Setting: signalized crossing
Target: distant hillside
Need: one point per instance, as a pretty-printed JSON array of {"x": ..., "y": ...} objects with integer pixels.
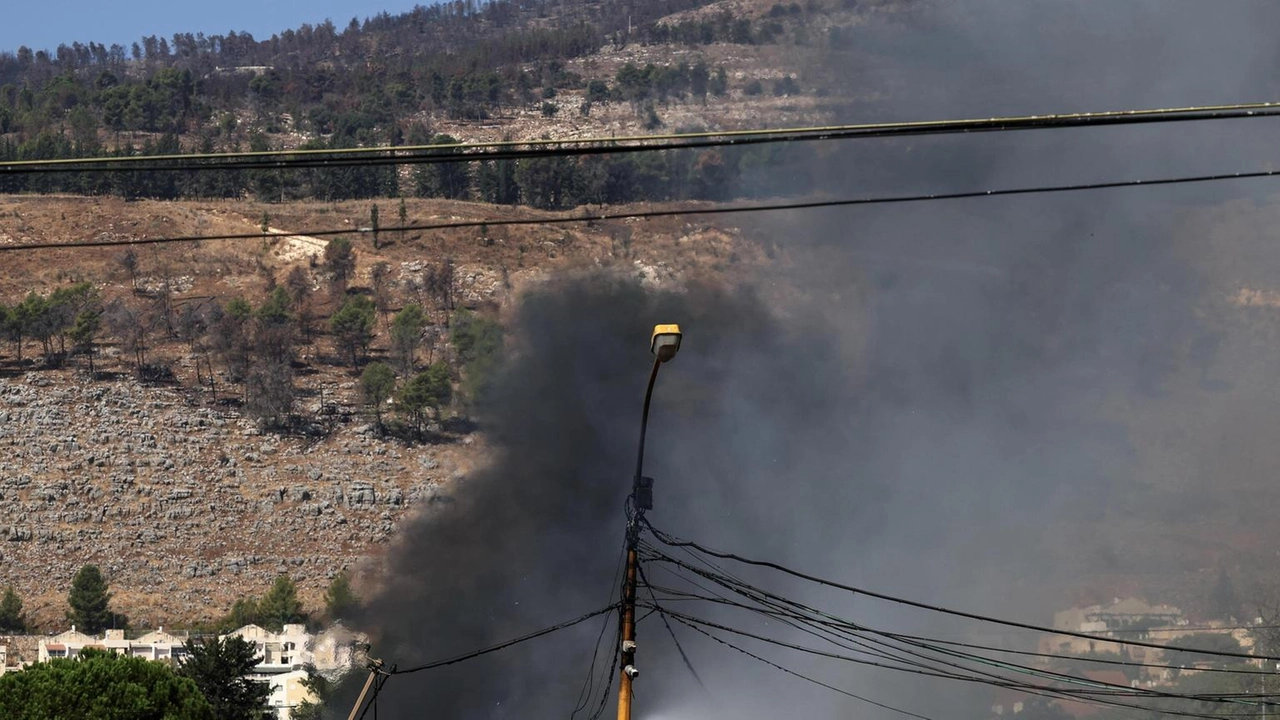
[
  {"x": 363, "y": 83},
  {"x": 455, "y": 72}
]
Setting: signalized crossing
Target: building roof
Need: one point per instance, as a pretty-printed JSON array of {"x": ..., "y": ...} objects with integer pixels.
[
  {"x": 158, "y": 637},
  {"x": 59, "y": 647}
]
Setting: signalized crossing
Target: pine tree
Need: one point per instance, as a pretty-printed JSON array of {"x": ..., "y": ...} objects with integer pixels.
[
  {"x": 339, "y": 600},
  {"x": 12, "y": 619},
  {"x": 281, "y": 605},
  {"x": 377, "y": 383},
  {"x": 219, "y": 667},
  {"x": 89, "y": 600}
]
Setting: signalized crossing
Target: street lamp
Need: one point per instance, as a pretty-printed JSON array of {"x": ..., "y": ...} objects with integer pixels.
[{"x": 664, "y": 344}]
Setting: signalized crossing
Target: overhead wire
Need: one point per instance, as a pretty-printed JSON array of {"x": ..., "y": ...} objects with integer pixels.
[
  {"x": 777, "y": 613},
  {"x": 503, "y": 645},
  {"x": 1041, "y": 690},
  {"x": 1089, "y": 696},
  {"x": 679, "y": 648},
  {"x": 936, "y": 672},
  {"x": 516, "y": 149},
  {"x": 588, "y": 217},
  {"x": 775, "y": 610},
  {"x": 670, "y": 540},
  {"x": 1081, "y": 695},
  {"x": 588, "y": 684},
  {"x": 806, "y": 678}
]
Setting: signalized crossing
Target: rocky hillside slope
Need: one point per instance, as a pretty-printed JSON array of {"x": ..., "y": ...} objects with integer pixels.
[{"x": 181, "y": 499}]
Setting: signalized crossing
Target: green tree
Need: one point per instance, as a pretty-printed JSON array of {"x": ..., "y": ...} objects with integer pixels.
[
  {"x": 339, "y": 600},
  {"x": 244, "y": 611},
  {"x": 352, "y": 326},
  {"x": 478, "y": 341},
  {"x": 406, "y": 336},
  {"x": 549, "y": 183},
  {"x": 377, "y": 383},
  {"x": 429, "y": 390},
  {"x": 496, "y": 180},
  {"x": 12, "y": 619},
  {"x": 275, "y": 310},
  {"x": 340, "y": 261},
  {"x": 218, "y": 667},
  {"x": 84, "y": 333},
  {"x": 403, "y": 213},
  {"x": 443, "y": 179},
  {"x": 90, "y": 602},
  {"x": 101, "y": 686},
  {"x": 232, "y": 338},
  {"x": 281, "y": 605}
]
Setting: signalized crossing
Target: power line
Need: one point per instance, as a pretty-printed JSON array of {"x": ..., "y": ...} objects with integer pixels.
[
  {"x": 806, "y": 678},
  {"x": 683, "y": 655},
  {"x": 669, "y": 540},
  {"x": 588, "y": 684},
  {"x": 1042, "y": 690},
  {"x": 507, "y": 644},
  {"x": 513, "y": 149},
  {"x": 754, "y": 594},
  {"x": 982, "y": 676},
  {"x": 648, "y": 214},
  {"x": 929, "y": 642}
]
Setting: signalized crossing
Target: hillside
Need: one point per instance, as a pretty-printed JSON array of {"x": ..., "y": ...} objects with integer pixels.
[
  {"x": 1090, "y": 376},
  {"x": 173, "y": 486},
  {"x": 471, "y": 72}
]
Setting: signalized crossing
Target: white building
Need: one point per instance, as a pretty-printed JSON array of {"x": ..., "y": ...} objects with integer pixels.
[
  {"x": 287, "y": 656},
  {"x": 156, "y": 645}
]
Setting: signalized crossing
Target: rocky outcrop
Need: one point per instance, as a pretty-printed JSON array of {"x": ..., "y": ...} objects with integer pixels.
[{"x": 187, "y": 508}]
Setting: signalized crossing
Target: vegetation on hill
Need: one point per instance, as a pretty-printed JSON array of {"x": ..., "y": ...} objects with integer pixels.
[
  {"x": 379, "y": 83},
  {"x": 256, "y": 348}
]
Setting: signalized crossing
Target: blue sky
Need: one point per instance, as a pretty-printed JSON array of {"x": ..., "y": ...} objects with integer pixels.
[{"x": 43, "y": 24}]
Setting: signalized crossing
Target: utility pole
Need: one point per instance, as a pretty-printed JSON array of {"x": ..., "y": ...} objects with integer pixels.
[
  {"x": 664, "y": 344},
  {"x": 375, "y": 667}
]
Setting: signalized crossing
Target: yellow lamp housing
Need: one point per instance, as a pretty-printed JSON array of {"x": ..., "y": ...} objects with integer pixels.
[{"x": 665, "y": 342}]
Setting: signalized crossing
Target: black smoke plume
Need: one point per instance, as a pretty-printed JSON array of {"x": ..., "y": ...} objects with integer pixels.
[{"x": 953, "y": 401}]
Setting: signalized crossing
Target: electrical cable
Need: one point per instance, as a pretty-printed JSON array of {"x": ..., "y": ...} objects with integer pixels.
[
  {"x": 683, "y": 655},
  {"x": 718, "y": 210},
  {"x": 507, "y": 644},
  {"x": 377, "y": 688},
  {"x": 669, "y": 540},
  {"x": 1013, "y": 685},
  {"x": 588, "y": 685},
  {"x": 844, "y": 624},
  {"x": 456, "y": 152},
  {"x": 1075, "y": 658},
  {"x": 1126, "y": 690},
  {"x": 802, "y": 677}
]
